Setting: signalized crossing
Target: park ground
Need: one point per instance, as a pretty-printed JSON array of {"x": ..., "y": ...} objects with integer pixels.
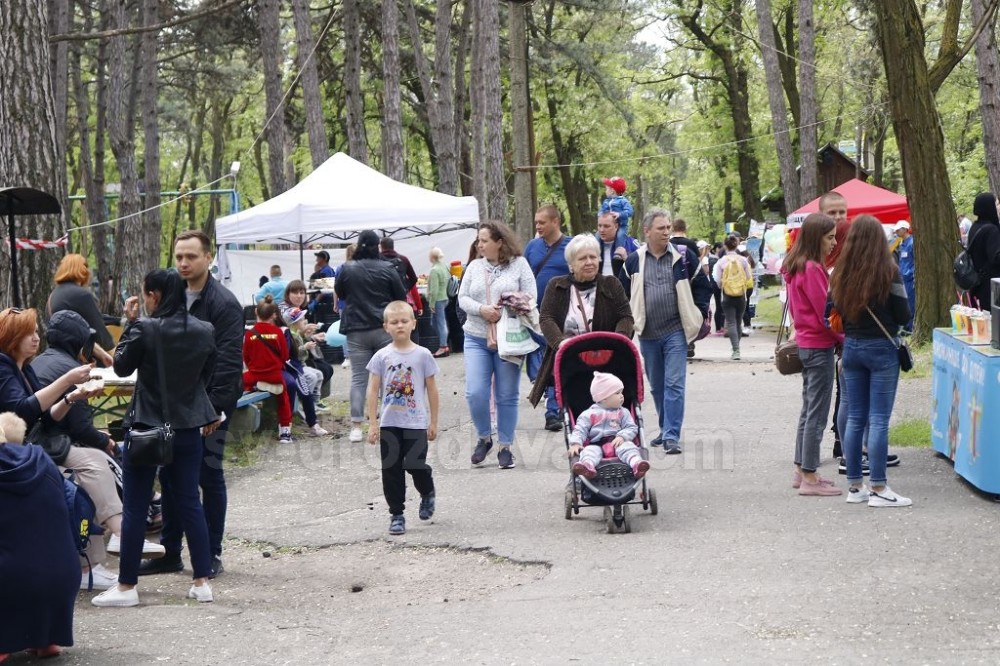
[{"x": 734, "y": 568}]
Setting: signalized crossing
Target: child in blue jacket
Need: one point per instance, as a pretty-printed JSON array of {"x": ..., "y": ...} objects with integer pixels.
[{"x": 616, "y": 202}]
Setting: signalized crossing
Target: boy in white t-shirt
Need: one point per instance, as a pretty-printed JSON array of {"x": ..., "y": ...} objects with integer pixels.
[{"x": 403, "y": 372}]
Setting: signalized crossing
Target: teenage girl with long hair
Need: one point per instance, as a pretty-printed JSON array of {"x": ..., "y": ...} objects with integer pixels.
[
  {"x": 805, "y": 274},
  {"x": 868, "y": 292}
]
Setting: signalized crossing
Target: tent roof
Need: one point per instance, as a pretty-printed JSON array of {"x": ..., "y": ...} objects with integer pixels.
[
  {"x": 863, "y": 199},
  {"x": 341, "y": 198}
]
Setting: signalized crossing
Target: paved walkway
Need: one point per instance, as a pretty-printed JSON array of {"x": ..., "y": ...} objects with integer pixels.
[{"x": 735, "y": 568}]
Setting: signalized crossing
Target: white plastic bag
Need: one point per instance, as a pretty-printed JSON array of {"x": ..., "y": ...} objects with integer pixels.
[{"x": 513, "y": 337}]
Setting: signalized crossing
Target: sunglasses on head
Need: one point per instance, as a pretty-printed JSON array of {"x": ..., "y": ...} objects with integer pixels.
[{"x": 16, "y": 311}]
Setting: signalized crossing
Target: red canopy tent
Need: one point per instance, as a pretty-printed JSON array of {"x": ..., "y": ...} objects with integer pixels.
[{"x": 862, "y": 199}]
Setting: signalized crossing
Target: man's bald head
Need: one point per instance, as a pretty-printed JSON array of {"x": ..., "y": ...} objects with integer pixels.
[{"x": 833, "y": 204}]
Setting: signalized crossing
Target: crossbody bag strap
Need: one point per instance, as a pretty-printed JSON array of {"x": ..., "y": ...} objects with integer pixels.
[
  {"x": 260, "y": 338},
  {"x": 784, "y": 315},
  {"x": 552, "y": 250},
  {"x": 877, "y": 321},
  {"x": 161, "y": 370},
  {"x": 583, "y": 308}
]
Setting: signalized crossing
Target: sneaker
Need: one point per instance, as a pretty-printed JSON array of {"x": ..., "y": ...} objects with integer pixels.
[
  {"x": 505, "y": 458},
  {"x": 672, "y": 448},
  {"x": 318, "y": 431},
  {"x": 865, "y": 471},
  {"x": 285, "y": 436},
  {"x": 640, "y": 468},
  {"x": 150, "y": 550},
  {"x": 397, "y": 525},
  {"x": 270, "y": 387},
  {"x": 891, "y": 460},
  {"x": 719, "y": 333},
  {"x": 169, "y": 563},
  {"x": 346, "y": 364},
  {"x": 691, "y": 350},
  {"x": 584, "y": 469},
  {"x": 886, "y": 497},
  {"x": 322, "y": 407},
  {"x": 483, "y": 447},
  {"x": 736, "y": 355},
  {"x": 103, "y": 579},
  {"x": 217, "y": 567},
  {"x": 858, "y": 495},
  {"x": 115, "y": 597},
  {"x": 441, "y": 352},
  {"x": 553, "y": 423},
  {"x": 201, "y": 593},
  {"x": 426, "y": 507},
  {"x": 818, "y": 489},
  {"x": 656, "y": 441},
  {"x": 356, "y": 435}
]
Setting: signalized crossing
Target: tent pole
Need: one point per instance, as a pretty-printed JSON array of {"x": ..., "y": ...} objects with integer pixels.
[
  {"x": 15, "y": 292},
  {"x": 302, "y": 260}
]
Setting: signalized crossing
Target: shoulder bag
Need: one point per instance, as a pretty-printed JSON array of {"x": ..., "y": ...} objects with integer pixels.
[
  {"x": 153, "y": 446},
  {"x": 786, "y": 354},
  {"x": 905, "y": 356}
]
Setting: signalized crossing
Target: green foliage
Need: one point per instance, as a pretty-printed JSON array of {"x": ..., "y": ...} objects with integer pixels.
[{"x": 915, "y": 433}]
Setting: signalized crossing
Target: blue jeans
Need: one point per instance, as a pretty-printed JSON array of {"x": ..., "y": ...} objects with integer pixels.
[
  {"x": 817, "y": 393},
  {"x": 483, "y": 369},
  {"x": 533, "y": 361},
  {"x": 214, "y": 497},
  {"x": 911, "y": 298},
  {"x": 871, "y": 371},
  {"x": 183, "y": 476},
  {"x": 665, "y": 360},
  {"x": 441, "y": 322}
]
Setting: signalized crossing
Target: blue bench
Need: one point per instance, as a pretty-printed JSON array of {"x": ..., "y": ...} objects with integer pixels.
[
  {"x": 252, "y": 397},
  {"x": 247, "y": 416}
]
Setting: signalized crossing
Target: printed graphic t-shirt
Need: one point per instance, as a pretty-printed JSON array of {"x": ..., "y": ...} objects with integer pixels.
[{"x": 404, "y": 389}]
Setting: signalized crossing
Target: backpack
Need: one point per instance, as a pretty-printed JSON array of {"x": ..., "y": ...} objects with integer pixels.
[
  {"x": 452, "y": 287},
  {"x": 734, "y": 279},
  {"x": 967, "y": 276},
  {"x": 82, "y": 517}
]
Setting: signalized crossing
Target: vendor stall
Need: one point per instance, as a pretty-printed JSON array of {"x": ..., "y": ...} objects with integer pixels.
[{"x": 966, "y": 407}]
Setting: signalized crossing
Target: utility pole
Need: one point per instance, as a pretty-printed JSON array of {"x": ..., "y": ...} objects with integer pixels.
[{"x": 521, "y": 130}]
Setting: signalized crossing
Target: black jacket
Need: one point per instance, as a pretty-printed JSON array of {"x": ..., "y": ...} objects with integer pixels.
[
  {"x": 71, "y": 296},
  {"x": 187, "y": 346},
  {"x": 220, "y": 308},
  {"x": 403, "y": 267},
  {"x": 68, "y": 332},
  {"x": 367, "y": 286},
  {"x": 984, "y": 249}
]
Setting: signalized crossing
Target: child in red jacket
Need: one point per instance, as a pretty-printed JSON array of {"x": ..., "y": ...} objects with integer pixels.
[{"x": 264, "y": 354}]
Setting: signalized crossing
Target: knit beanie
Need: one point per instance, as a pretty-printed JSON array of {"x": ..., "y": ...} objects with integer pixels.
[{"x": 604, "y": 385}]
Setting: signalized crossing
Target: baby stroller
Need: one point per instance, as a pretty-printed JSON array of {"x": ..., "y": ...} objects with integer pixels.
[{"x": 614, "y": 487}]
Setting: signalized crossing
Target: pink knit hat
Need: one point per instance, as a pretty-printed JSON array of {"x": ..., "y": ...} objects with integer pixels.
[{"x": 604, "y": 385}]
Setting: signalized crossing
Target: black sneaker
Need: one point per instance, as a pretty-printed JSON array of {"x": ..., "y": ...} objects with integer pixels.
[
  {"x": 505, "y": 458},
  {"x": 842, "y": 466},
  {"x": 672, "y": 448},
  {"x": 483, "y": 447},
  {"x": 891, "y": 460},
  {"x": 217, "y": 567},
  {"x": 691, "y": 350},
  {"x": 553, "y": 423},
  {"x": 169, "y": 563},
  {"x": 397, "y": 525},
  {"x": 426, "y": 507}
]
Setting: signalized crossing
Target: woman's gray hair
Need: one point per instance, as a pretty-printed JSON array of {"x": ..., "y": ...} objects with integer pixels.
[
  {"x": 580, "y": 242},
  {"x": 437, "y": 253},
  {"x": 652, "y": 214}
]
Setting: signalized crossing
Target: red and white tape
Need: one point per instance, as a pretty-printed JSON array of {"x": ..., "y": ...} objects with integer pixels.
[{"x": 35, "y": 244}]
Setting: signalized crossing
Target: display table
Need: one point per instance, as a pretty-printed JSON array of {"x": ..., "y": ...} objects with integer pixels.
[{"x": 965, "y": 394}]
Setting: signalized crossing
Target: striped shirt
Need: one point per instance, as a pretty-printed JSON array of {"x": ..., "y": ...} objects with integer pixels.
[{"x": 660, "y": 294}]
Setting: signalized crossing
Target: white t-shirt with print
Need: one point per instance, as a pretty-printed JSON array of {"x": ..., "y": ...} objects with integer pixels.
[{"x": 404, "y": 385}]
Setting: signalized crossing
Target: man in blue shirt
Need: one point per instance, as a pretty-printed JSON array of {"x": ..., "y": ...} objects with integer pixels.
[
  {"x": 905, "y": 253},
  {"x": 546, "y": 254},
  {"x": 275, "y": 286}
]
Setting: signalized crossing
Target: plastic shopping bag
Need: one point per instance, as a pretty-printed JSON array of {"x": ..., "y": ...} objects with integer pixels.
[{"x": 513, "y": 337}]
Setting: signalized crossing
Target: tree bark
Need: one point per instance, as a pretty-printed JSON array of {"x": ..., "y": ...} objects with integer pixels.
[
  {"x": 808, "y": 144},
  {"x": 488, "y": 35},
  {"x": 28, "y": 153},
  {"x": 59, "y": 67},
  {"x": 392, "y": 106},
  {"x": 357, "y": 141},
  {"x": 464, "y": 154},
  {"x": 477, "y": 104},
  {"x": 779, "y": 112},
  {"x": 520, "y": 93},
  {"x": 269, "y": 27},
  {"x": 312, "y": 99},
  {"x": 921, "y": 145},
  {"x": 151, "y": 134},
  {"x": 988, "y": 71},
  {"x": 97, "y": 211}
]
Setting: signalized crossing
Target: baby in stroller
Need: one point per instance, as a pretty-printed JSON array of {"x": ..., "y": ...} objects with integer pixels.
[{"x": 606, "y": 423}]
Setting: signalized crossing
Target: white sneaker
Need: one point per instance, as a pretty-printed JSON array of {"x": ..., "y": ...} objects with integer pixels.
[
  {"x": 346, "y": 363},
  {"x": 103, "y": 579},
  {"x": 319, "y": 431},
  {"x": 150, "y": 550},
  {"x": 202, "y": 593},
  {"x": 115, "y": 597},
  {"x": 858, "y": 495},
  {"x": 271, "y": 387},
  {"x": 886, "y": 497},
  {"x": 356, "y": 435}
]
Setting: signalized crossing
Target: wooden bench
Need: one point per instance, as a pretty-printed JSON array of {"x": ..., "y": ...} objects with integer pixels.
[{"x": 248, "y": 411}]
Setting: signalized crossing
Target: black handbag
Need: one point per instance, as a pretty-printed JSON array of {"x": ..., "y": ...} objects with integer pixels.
[
  {"x": 55, "y": 443},
  {"x": 786, "y": 354},
  {"x": 902, "y": 350},
  {"x": 153, "y": 446}
]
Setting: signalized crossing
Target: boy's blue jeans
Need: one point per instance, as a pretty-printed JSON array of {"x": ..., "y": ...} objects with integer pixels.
[
  {"x": 486, "y": 371},
  {"x": 871, "y": 371},
  {"x": 621, "y": 238}
]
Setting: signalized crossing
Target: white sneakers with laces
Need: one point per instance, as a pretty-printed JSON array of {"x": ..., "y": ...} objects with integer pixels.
[
  {"x": 103, "y": 578},
  {"x": 356, "y": 435},
  {"x": 886, "y": 498},
  {"x": 150, "y": 550},
  {"x": 318, "y": 431},
  {"x": 116, "y": 598},
  {"x": 201, "y": 593}
]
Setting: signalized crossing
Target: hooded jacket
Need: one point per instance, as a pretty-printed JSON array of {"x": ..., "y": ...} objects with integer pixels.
[
  {"x": 984, "y": 246},
  {"x": 67, "y": 334}
]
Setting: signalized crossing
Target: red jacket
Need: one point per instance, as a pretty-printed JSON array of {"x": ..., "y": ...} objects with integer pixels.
[{"x": 259, "y": 346}]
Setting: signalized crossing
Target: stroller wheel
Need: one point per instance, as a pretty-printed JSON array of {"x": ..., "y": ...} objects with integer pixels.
[
  {"x": 569, "y": 505},
  {"x": 651, "y": 494}
]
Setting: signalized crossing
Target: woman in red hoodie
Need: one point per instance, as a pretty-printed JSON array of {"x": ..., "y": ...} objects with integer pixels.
[
  {"x": 808, "y": 286},
  {"x": 264, "y": 354}
]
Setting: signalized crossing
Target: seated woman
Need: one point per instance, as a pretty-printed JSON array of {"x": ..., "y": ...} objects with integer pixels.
[
  {"x": 39, "y": 568},
  {"x": 580, "y": 302},
  {"x": 22, "y": 392}
]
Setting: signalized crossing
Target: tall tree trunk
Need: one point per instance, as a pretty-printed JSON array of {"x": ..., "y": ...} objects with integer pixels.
[
  {"x": 392, "y": 120},
  {"x": 312, "y": 99},
  {"x": 477, "y": 104},
  {"x": 786, "y": 60},
  {"x": 488, "y": 36},
  {"x": 808, "y": 145},
  {"x": 357, "y": 141},
  {"x": 779, "y": 112},
  {"x": 59, "y": 69},
  {"x": 28, "y": 153},
  {"x": 988, "y": 70},
  {"x": 96, "y": 206},
  {"x": 151, "y": 133},
  {"x": 521, "y": 123},
  {"x": 272, "y": 53},
  {"x": 921, "y": 146},
  {"x": 461, "y": 93}
]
